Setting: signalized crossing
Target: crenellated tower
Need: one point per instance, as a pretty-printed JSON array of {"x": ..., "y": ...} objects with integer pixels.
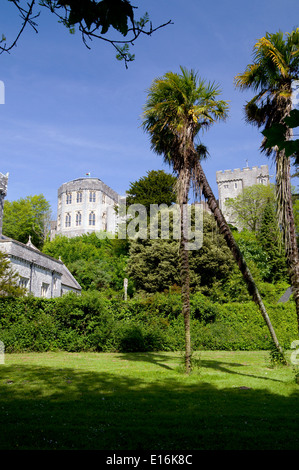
[{"x": 232, "y": 182}]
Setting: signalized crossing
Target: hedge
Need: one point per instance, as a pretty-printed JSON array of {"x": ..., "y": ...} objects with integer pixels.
[{"x": 91, "y": 322}]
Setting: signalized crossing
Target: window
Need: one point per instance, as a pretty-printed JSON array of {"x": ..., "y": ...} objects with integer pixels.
[
  {"x": 69, "y": 198},
  {"x": 44, "y": 289},
  {"x": 23, "y": 282},
  {"x": 92, "y": 218},
  {"x": 78, "y": 218},
  {"x": 59, "y": 221},
  {"x": 226, "y": 186},
  {"x": 236, "y": 185},
  {"x": 79, "y": 196},
  {"x": 68, "y": 220},
  {"x": 92, "y": 196},
  {"x": 59, "y": 202}
]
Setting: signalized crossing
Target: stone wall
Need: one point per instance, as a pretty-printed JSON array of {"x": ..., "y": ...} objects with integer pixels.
[{"x": 232, "y": 182}]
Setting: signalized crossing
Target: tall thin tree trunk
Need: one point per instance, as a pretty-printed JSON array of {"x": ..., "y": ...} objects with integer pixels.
[
  {"x": 226, "y": 232},
  {"x": 287, "y": 222},
  {"x": 183, "y": 186},
  {"x": 185, "y": 280}
]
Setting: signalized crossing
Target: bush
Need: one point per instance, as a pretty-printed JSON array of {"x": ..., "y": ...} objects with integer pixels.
[{"x": 91, "y": 322}]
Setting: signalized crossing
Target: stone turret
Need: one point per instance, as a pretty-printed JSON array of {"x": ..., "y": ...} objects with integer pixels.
[
  {"x": 3, "y": 192},
  {"x": 85, "y": 205},
  {"x": 232, "y": 182}
]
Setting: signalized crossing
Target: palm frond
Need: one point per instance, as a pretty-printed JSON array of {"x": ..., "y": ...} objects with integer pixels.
[{"x": 273, "y": 48}]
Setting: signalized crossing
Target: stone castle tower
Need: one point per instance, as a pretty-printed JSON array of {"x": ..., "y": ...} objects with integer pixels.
[
  {"x": 3, "y": 192},
  {"x": 85, "y": 205},
  {"x": 232, "y": 182}
]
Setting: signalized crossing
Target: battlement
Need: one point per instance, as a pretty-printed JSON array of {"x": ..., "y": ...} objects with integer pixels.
[
  {"x": 241, "y": 174},
  {"x": 3, "y": 184},
  {"x": 91, "y": 184},
  {"x": 231, "y": 183}
]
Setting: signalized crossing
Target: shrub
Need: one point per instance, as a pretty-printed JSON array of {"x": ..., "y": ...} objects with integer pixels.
[{"x": 91, "y": 322}]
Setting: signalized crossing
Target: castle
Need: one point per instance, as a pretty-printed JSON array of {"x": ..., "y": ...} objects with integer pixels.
[
  {"x": 232, "y": 182},
  {"x": 88, "y": 205},
  {"x": 85, "y": 205}
]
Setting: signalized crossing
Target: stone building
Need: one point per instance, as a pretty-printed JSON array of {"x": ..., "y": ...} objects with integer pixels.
[
  {"x": 232, "y": 182},
  {"x": 40, "y": 274},
  {"x": 85, "y": 205}
]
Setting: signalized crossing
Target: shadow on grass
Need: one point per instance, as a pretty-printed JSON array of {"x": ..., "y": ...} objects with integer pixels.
[
  {"x": 152, "y": 358},
  {"x": 66, "y": 408},
  {"x": 227, "y": 368},
  {"x": 160, "y": 359}
]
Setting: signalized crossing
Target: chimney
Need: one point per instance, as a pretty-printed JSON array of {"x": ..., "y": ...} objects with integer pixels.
[{"x": 3, "y": 192}]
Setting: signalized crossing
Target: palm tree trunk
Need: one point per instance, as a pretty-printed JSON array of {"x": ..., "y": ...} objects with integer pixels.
[
  {"x": 286, "y": 219},
  {"x": 185, "y": 280},
  {"x": 183, "y": 186},
  {"x": 226, "y": 232}
]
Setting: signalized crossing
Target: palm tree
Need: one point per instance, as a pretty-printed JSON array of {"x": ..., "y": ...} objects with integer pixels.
[
  {"x": 274, "y": 69},
  {"x": 178, "y": 106}
]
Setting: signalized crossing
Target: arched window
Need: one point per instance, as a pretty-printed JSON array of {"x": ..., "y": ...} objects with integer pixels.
[
  {"x": 68, "y": 220},
  {"x": 92, "y": 218},
  {"x": 79, "y": 196},
  {"x": 69, "y": 198},
  {"x": 92, "y": 196},
  {"x": 78, "y": 218}
]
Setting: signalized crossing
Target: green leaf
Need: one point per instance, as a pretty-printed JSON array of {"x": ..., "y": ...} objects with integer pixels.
[
  {"x": 275, "y": 136},
  {"x": 293, "y": 119}
]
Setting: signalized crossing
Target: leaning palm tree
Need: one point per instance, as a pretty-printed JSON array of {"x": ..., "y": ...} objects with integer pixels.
[
  {"x": 178, "y": 107},
  {"x": 275, "y": 67}
]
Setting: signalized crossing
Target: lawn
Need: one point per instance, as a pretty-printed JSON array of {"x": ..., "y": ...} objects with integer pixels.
[{"x": 98, "y": 401}]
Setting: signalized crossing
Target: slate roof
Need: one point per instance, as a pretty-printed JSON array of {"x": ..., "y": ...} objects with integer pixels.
[
  {"x": 31, "y": 254},
  {"x": 285, "y": 297}
]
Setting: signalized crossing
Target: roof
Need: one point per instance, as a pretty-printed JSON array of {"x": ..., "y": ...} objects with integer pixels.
[
  {"x": 68, "y": 279},
  {"x": 94, "y": 184},
  {"x": 31, "y": 254},
  {"x": 286, "y": 296}
]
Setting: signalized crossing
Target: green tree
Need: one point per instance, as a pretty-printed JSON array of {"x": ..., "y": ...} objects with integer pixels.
[
  {"x": 296, "y": 216},
  {"x": 269, "y": 237},
  {"x": 157, "y": 187},
  {"x": 178, "y": 107},
  {"x": 9, "y": 285},
  {"x": 275, "y": 66},
  {"x": 27, "y": 217},
  {"x": 153, "y": 265},
  {"x": 248, "y": 207},
  {"x": 97, "y": 263},
  {"x": 93, "y": 19},
  {"x": 211, "y": 264}
]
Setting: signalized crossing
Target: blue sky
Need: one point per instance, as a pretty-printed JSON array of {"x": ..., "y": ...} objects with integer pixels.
[{"x": 69, "y": 110}]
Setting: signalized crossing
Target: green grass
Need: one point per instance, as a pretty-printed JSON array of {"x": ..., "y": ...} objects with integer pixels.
[{"x": 232, "y": 400}]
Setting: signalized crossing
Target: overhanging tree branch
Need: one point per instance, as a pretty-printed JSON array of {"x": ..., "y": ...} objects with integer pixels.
[
  {"x": 93, "y": 19},
  {"x": 27, "y": 17}
]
